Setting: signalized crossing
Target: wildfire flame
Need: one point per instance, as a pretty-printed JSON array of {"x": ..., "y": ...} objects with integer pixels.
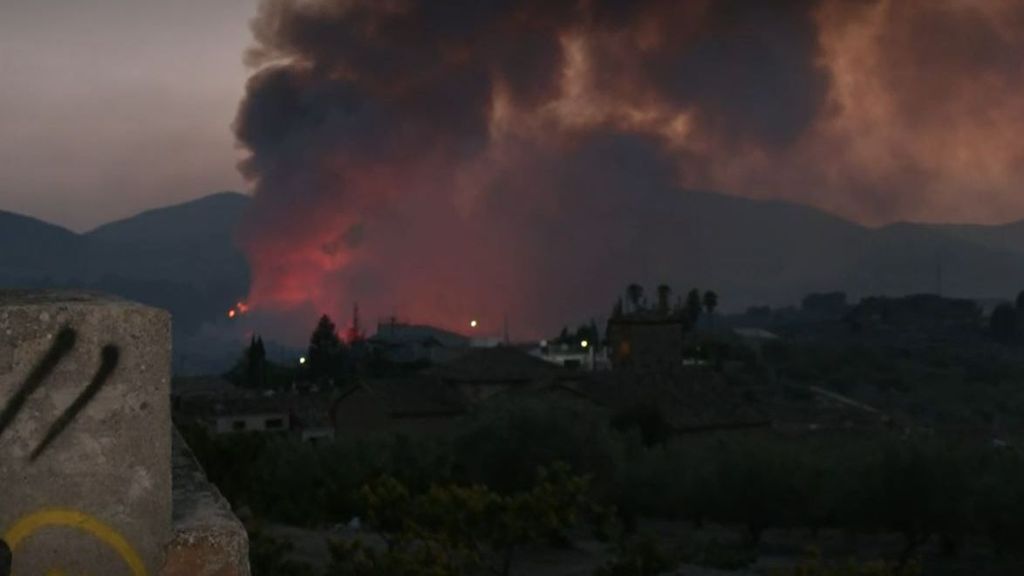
[{"x": 239, "y": 309}]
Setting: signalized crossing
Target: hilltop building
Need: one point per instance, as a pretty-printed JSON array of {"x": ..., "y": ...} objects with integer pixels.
[
  {"x": 647, "y": 340},
  {"x": 247, "y": 414},
  {"x": 485, "y": 372},
  {"x": 915, "y": 315},
  {"x": 432, "y": 402},
  {"x": 573, "y": 355},
  {"x": 413, "y": 343}
]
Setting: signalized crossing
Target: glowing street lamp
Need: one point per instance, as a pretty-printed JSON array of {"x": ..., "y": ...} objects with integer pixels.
[
  {"x": 472, "y": 323},
  {"x": 302, "y": 359},
  {"x": 584, "y": 344}
]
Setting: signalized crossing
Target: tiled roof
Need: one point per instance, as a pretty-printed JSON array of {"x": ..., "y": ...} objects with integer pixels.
[
  {"x": 498, "y": 365},
  {"x": 691, "y": 400},
  {"x": 202, "y": 387},
  {"x": 249, "y": 405},
  {"x": 312, "y": 410},
  {"x": 413, "y": 395}
]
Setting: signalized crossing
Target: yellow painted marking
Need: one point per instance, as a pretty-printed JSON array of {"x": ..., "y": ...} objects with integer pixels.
[{"x": 74, "y": 519}]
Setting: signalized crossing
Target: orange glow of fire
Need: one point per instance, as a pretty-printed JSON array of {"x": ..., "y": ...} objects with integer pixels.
[{"x": 239, "y": 309}]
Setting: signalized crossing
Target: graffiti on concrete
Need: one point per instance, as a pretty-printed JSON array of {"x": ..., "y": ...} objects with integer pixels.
[
  {"x": 62, "y": 345},
  {"x": 79, "y": 521},
  {"x": 60, "y": 518},
  {"x": 110, "y": 356},
  {"x": 6, "y": 559}
]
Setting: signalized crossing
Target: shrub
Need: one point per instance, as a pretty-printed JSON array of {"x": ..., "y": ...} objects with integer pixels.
[
  {"x": 453, "y": 529},
  {"x": 504, "y": 445},
  {"x": 641, "y": 556}
]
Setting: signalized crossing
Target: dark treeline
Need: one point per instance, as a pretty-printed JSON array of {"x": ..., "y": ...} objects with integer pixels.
[
  {"x": 923, "y": 487},
  {"x": 919, "y": 453}
]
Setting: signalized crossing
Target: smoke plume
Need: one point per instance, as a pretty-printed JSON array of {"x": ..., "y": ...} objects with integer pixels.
[{"x": 521, "y": 158}]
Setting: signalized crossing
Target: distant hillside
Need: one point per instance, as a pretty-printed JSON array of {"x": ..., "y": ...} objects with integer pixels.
[
  {"x": 1008, "y": 237},
  {"x": 907, "y": 258},
  {"x": 32, "y": 250},
  {"x": 190, "y": 243},
  {"x": 769, "y": 252},
  {"x": 750, "y": 251},
  {"x": 182, "y": 258}
]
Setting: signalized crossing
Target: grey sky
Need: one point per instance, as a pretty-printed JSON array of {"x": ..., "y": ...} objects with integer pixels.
[{"x": 110, "y": 107}]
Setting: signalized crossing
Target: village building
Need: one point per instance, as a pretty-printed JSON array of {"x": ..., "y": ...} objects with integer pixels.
[
  {"x": 247, "y": 414},
  {"x": 414, "y": 343},
  {"x": 646, "y": 341}
]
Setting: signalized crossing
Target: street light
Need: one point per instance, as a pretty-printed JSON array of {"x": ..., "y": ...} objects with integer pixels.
[
  {"x": 584, "y": 344},
  {"x": 472, "y": 323},
  {"x": 302, "y": 359}
]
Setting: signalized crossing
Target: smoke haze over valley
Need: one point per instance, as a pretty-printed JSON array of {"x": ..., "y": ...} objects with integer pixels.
[
  {"x": 522, "y": 159},
  {"x": 457, "y": 160},
  {"x": 186, "y": 258}
]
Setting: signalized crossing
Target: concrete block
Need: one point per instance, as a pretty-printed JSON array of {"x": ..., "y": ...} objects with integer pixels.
[
  {"x": 85, "y": 434},
  {"x": 208, "y": 538}
]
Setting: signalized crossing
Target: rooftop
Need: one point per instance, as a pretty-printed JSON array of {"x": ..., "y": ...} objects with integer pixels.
[
  {"x": 498, "y": 365},
  {"x": 411, "y": 395}
]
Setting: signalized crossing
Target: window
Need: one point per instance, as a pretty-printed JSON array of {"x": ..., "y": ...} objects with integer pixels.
[
  {"x": 275, "y": 424},
  {"x": 238, "y": 425}
]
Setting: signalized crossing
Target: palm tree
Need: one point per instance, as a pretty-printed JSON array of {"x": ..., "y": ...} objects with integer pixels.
[
  {"x": 693, "y": 306},
  {"x": 710, "y": 302},
  {"x": 635, "y": 293},
  {"x": 664, "y": 293},
  {"x": 679, "y": 309}
]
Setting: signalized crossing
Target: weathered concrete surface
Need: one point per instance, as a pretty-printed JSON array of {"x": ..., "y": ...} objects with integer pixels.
[
  {"x": 208, "y": 539},
  {"x": 85, "y": 433}
]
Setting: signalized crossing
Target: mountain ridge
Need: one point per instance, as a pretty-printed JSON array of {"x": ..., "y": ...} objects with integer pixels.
[
  {"x": 185, "y": 258},
  {"x": 193, "y": 205},
  {"x": 181, "y": 257}
]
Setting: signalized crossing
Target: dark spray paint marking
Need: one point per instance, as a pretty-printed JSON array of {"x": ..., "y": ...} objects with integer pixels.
[
  {"x": 63, "y": 344},
  {"x": 110, "y": 357},
  {"x": 6, "y": 559}
]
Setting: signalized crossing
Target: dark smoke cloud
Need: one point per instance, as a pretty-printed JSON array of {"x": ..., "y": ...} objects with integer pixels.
[
  {"x": 449, "y": 160},
  {"x": 749, "y": 67}
]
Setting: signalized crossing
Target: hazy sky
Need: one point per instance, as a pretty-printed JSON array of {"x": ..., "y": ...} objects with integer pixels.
[
  {"x": 109, "y": 107},
  {"x": 442, "y": 156},
  {"x": 879, "y": 111}
]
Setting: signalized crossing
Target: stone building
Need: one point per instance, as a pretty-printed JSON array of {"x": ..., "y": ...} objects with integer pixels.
[
  {"x": 95, "y": 479},
  {"x": 646, "y": 341}
]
